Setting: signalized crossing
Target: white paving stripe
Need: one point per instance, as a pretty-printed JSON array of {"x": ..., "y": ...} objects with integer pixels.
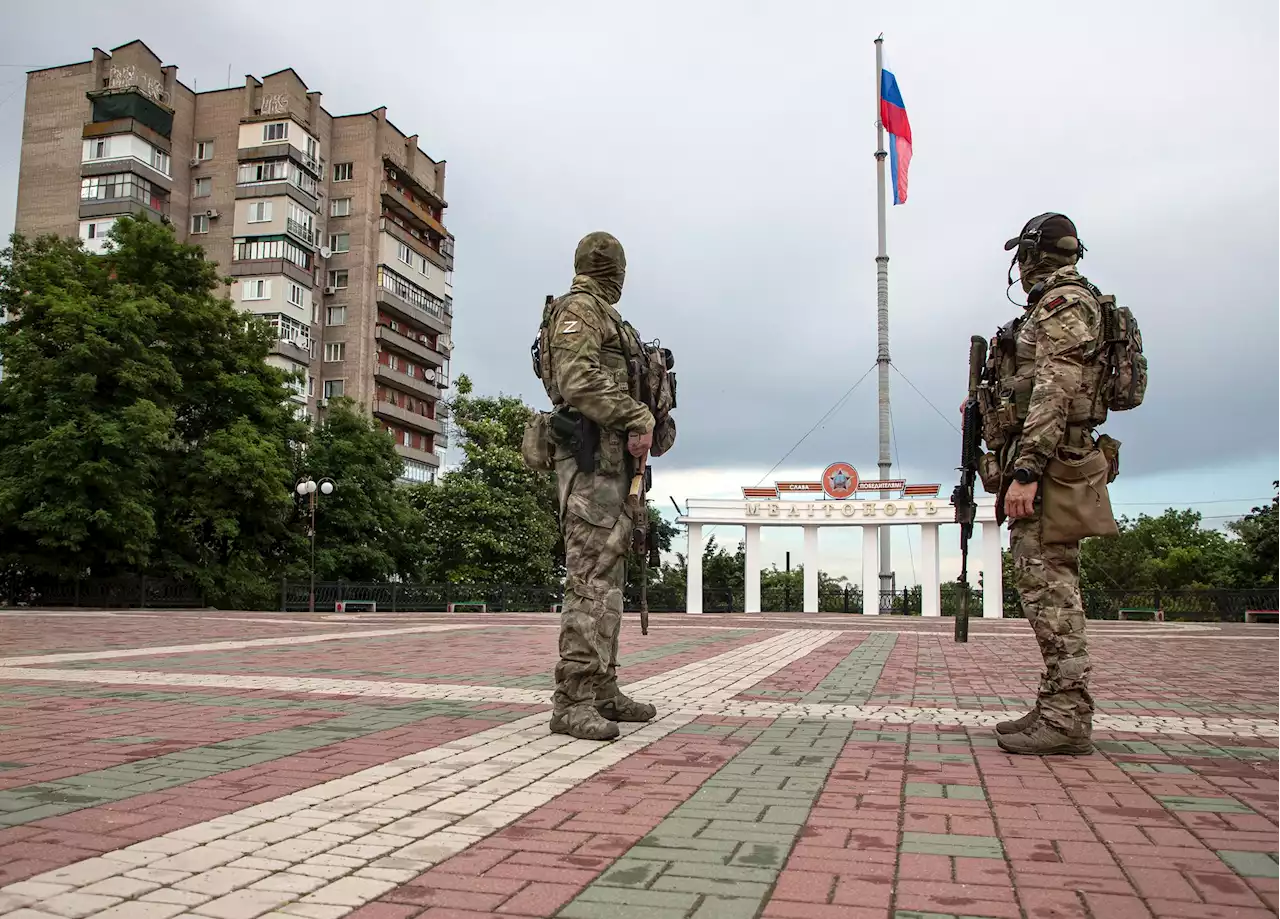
[
  {"x": 231, "y": 645},
  {"x": 327, "y": 850}
]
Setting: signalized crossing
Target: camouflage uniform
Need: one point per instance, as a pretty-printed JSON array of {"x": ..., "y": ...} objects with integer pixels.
[
  {"x": 589, "y": 345},
  {"x": 1055, "y": 381}
]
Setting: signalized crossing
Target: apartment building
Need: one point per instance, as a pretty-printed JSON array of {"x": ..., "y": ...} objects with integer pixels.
[{"x": 331, "y": 226}]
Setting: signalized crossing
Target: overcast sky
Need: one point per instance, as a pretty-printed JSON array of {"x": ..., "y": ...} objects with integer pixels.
[{"x": 729, "y": 146}]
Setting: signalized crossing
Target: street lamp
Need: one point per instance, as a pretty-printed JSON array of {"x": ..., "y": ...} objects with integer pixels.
[{"x": 307, "y": 488}]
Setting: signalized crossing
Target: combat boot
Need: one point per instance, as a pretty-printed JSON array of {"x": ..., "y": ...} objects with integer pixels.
[
  {"x": 1020, "y": 725},
  {"x": 1045, "y": 739},
  {"x": 583, "y": 722},
  {"x": 622, "y": 708}
]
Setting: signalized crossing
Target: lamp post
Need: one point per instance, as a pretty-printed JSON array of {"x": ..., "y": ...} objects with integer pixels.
[{"x": 307, "y": 488}]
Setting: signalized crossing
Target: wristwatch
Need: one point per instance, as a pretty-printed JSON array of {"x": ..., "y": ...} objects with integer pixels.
[{"x": 1024, "y": 476}]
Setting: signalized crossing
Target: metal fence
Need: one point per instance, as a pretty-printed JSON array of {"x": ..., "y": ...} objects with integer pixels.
[{"x": 123, "y": 592}]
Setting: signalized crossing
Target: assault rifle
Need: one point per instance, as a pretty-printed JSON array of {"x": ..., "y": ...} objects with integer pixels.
[
  {"x": 638, "y": 499},
  {"x": 962, "y": 495}
]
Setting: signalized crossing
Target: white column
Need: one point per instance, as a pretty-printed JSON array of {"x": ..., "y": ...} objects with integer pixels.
[
  {"x": 753, "y": 568},
  {"x": 992, "y": 572},
  {"x": 810, "y": 569},
  {"x": 870, "y": 572},
  {"x": 693, "y": 599},
  {"x": 930, "y": 589}
]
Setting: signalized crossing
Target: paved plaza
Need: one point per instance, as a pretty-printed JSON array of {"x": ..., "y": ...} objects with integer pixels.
[{"x": 231, "y": 765}]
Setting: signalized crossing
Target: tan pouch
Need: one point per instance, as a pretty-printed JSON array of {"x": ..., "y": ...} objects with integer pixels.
[
  {"x": 536, "y": 448},
  {"x": 1075, "y": 502},
  {"x": 989, "y": 472}
]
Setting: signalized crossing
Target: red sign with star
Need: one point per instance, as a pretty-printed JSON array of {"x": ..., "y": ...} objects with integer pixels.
[{"x": 840, "y": 480}]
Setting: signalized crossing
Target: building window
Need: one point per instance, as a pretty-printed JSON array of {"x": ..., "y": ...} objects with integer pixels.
[
  {"x": 406, "y": 438},
  {"x": 338, "y": 279},
  {"x": 98, "y": 149},
  {"x": 426, "y": 266},
  {"x": 159, "y": 160},
  {"x": 340, "y": 207},
  {"x": 203, "y": 187},
  {"x": 204, "y": 150},
  {"x": 333, "y": 388},
  {"x": 257, "y": 289},
  {"x": 199, "y": 223},
  {"x": 404, "y": 253},
  {"x": 417, "y": 472},
  {"x": 339, "y": 242},
  {"x": 295, "y": 294},
  {"x": 311, "y": 385},
  {"x": 291, "y": 330},
  {"x": 336, "y": 315},
  {"x": 393, "y": 361},
  {"x": 311, "y": 147},
  {"x": 260, "y": 248},
  {"x": 342, "y": 172},
  {"x": 276, "y": 131},
  {"x": 259, "y": 211},
  {"x": 265, "y": 171},
  {"x": 335, "y": 351}
]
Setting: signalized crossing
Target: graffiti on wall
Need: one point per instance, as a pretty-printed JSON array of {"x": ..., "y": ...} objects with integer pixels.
[
  {"x": 131, "y": 76},
  {"x": 275, "y": 104}
]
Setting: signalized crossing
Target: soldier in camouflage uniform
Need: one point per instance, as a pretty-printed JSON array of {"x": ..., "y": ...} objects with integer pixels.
[
  {"x": 1047, "y": 367},
  {"x": 589, "y": 349}
]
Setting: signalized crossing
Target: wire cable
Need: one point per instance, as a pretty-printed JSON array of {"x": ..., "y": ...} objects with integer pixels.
[
  {"x": 835, "y": 408},
  {"x": 925, "y": 398}
]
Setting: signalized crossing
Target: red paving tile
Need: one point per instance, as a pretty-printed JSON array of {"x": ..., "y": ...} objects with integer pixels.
[{"x": 1082, "y": 838}]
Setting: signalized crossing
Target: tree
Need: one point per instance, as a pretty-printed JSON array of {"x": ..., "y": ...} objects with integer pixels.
[
  {"x": 1169, "y": 552},
  {"x": 1257, "y": 535},
  {"x": 493, "y": 519},
  {"x": 366, "y": 530},
  {"x": 141, "y": 430}
]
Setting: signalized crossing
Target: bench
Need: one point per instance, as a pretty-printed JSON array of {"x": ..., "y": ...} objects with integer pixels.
[
  {"x": 1253, "y": 615},
  {"x": 1157, "y": 615},
  {"x": 481, "y": 607},
  {"x": 347, "y": 606}
]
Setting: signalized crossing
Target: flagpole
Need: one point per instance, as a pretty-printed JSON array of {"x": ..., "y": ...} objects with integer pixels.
[{"x": 882, "y": 324}]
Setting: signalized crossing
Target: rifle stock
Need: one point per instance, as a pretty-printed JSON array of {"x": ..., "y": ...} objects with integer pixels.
[{"x": 962, "y": 495}]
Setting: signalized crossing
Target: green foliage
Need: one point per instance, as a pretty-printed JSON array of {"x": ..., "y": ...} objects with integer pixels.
[
  {"x": 366, "y": 530},
  {"x": 492, "y": 520},
  {"x": 141, "y": 430},
  {"x": 1169, "y": 552},
  {"x": 1257, "y": 535}
]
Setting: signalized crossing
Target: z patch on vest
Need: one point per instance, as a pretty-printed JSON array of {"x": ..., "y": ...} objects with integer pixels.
[{"x": 569, "y": 326}]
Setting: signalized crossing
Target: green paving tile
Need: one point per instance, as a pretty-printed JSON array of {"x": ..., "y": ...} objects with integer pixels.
[
  {"x": 939, "y": 758},
  {"x": 1251, "y": 864},
  {"x": 129, "y": 740},
  {"x": 852, "y": 681},
  {"x": 916, "y": 914},
  {"x": 952, "y": 844},
  {"x": 723, "y": 853},
  {"x": 26, "y": 803},
  {"x": 1170, "y": 768},
  {"x": 1208, "y": 805},
  {"x": 5, "y": 767},
  {"x": 924, "y": 790}
]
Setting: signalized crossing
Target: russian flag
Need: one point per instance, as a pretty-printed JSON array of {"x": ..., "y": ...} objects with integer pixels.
[{"x": 893, "y": 115}]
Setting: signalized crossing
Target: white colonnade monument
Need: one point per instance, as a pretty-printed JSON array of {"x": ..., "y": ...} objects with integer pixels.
[{"x": 834, "y": 502}]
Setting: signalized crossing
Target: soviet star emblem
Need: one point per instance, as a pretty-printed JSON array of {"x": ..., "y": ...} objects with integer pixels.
[{"x": 840, "y": 481}]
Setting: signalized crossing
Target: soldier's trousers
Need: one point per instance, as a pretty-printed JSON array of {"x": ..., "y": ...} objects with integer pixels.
[
  {"x": 1048, "y": 579},
  {"x": 597, "y": 533}
]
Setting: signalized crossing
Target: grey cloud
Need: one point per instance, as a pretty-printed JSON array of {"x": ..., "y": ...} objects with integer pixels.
[{"x": 730, "y": 149}]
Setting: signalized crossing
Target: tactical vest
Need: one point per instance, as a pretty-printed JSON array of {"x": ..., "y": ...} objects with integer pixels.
[
  {"x": 650, "y": 377},
  {"x": 1114, "y": 379}
]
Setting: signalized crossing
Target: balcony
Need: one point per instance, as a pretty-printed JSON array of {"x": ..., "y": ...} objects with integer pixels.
[
  {"x": 297, "y": 351},
  {"x": 410, "y": 302},
  {"x": 392, "y": 412},
  {"x": 409, "y": 346},
  {"x": 422, "y": 456},
  {"x": 300, "y": 231},
  {"x": 406, "y": 383},
  {"x": 142, "y": 203}
]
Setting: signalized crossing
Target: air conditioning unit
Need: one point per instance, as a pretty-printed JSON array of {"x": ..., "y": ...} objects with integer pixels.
[
  {"x": 211, "y": 213},
  {"x": 195, "y": 161},
  {"x": 322, "y": 403},
  {"x": 391, "y": 174},
  {"x": 330, "y": 291},
  {"x": 325, "y": 252}
]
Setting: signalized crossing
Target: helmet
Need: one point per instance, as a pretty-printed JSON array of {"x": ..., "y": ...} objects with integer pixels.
[{"x": 1048, "y": 234}]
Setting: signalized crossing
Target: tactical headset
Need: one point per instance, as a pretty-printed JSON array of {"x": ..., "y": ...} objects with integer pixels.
[{"x": 1030, "y": 241}]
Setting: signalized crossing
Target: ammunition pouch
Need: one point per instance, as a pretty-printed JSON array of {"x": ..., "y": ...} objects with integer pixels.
[
  {"x": 989, "y": 470},
  {"x": 536, "y": 447},
  {"x": 1075, "y": 502}
]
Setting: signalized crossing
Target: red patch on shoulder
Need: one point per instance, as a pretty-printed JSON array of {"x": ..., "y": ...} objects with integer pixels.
[{"x": 1055, "y": 303}]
